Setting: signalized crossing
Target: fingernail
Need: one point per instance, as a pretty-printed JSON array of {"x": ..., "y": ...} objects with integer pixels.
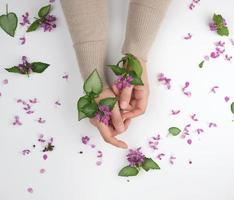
[{"x": 124, "y": 104}]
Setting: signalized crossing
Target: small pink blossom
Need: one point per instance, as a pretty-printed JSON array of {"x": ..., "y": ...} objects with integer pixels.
[
  {"x": 30, "y": 190},
  {"x": 213, "y": 89},
  {"x": 22, "y": 40},
  {"x": 45, "y": 157},
  {"x": 57, "y": 103},
  {"x": 160, "y": 156},
  {"x": 65, "y": 76},
  {"x": 25, "y": 19},
  {"x": 226, "y": 98},
  {"x": 184, "y": 90},
  {"x": 189, "y": 141},
  {"x": 193, "y": 117},
  {"x": 17, "y": 121},
  {"x": 175, "y": 112},
  {"x": 186, "y": 131},
  {"x": 172, "y": 160},
  {"x": 154, "y": 142},
  {"x": 164, "y": 80},
  {"x": 26, "y": 152},
  {"x": 199, "y": 130},
  {"x": 42, "y": 171},
  {"x": 85, "y": 139},
  {"x": 211, "y": 124},
  {"x": 41, "y": 121},
  {"x": 188, "y": 36},
  {"x": 228, "y": 58},
  {"x": 5, "y": 82},
  {"x": 103, "y": 114}
]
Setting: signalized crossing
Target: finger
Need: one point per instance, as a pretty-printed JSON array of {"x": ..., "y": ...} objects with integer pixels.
[
  {"x": 115, "y": 90},
  {"x": 117, "y": 120},
  {"x": 126, "y": 125},
  {"x": 125, "y": 97},
  {"x": 107, "y": 136},
  {"x": 139, "y": 109}
]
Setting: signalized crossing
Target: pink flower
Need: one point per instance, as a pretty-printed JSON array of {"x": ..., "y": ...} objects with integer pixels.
[
  {"x": 213, "y": 89},
  {"x": 154, "y": 142},
  {"x": 184, "y": 90},
  {"x": 85, "y": 139},
  {"x": 189, "y": 141},
  {"x": 211, "y": 124},
  {"x": 159, "y": 156},
  {"x": 103, "y": 114},
  {"x": 175, "y": 112},
  {"x": 23, "y": 40},
  {"x": 135, "y": 157},
  {"x": 123, "y": 82},
  {"x": 17, "y": 121},
  {"x": 41, "y": 121},
  {"x": 25, "y": 19},
  {"x": 226, "y": 98},
  {"x": 164, "y": 80},
  {"x": 30, "y": 190},
  {"x": 5, "y": 82},
  {"x": 193, "y": 117},
  {"x": 172, "y": 160},
  {"x": 48, "y": 24},
  {"x": 199, "y": 130},
  {"x": 188, "y": 36},
  {"x": 45, "y": 157}
]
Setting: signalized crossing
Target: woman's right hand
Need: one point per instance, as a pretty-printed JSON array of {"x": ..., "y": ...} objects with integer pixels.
[{"x": 117, "y": 125}]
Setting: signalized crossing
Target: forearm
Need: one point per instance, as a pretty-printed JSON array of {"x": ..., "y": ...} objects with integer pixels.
[
  {"x": 88, "y": 21},
  {"x": 144, "y": 18}
]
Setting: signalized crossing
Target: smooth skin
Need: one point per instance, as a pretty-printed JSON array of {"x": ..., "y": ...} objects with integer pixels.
[{"x": 132, "y": 103}]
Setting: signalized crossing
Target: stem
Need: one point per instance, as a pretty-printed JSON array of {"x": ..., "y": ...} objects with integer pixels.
[{"x": 7, "y": 9}]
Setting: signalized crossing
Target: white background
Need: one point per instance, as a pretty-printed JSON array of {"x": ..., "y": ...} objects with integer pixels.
[{"x": 70, "y": 175}]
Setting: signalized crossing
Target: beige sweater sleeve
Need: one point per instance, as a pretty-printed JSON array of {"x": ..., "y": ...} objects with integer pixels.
[
  {"x": 88, "y": 24},
  {"x": 144, "y": 18}
]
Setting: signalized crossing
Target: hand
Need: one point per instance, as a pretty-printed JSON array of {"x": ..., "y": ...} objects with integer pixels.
[
  {"x": 133, "y": 100},
  {"x": 118, "y": 125}
]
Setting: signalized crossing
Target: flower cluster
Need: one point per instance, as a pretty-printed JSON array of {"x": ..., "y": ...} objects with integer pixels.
[
  {"x": 103, "y": 114},
  {"x": 128, "y": 70},
  {"x": 137, "y": 161},
  {"x": 25, "y": 67},
  {"x": 48, "y": 24},
  {"x": 135, "y": 157},
  {"x": 219, "y": 25},
  {"x": 123, "y": 82}
]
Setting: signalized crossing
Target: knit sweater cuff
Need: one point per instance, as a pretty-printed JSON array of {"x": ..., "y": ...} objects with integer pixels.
[
  {"x": 143, "y": 23},
  {"x": 91, "y": 55}
]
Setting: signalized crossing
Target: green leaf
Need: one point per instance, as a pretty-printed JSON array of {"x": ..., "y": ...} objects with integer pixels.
[
  {"x": 149, "y": 164},
  {"x": 223, "y": 31},
  {"x": 218, "y": 19},
  {"x": 135, "y": 65},
  {"x": 128, "y": 171},
  {"x": 201, "y": 63},
  {"x": 34, "y": 26},
  {"x": 136, "y": 80},
  {"x": 9, "y": 23},
  {"x": 93, "y": 84},
  {"x": 13, "y": 70},
  {"x": 174, "y": 131},
  {"x": 39, "y": 67},
  {"x": 90, "y": 109},
  {"x": 80, "y": 104},
  {"x": 232, "y": 107},
  {"x": 110, "y": 102},
  {"x": 117, "y": 70},
  {"x": 44, "y": 11}
]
